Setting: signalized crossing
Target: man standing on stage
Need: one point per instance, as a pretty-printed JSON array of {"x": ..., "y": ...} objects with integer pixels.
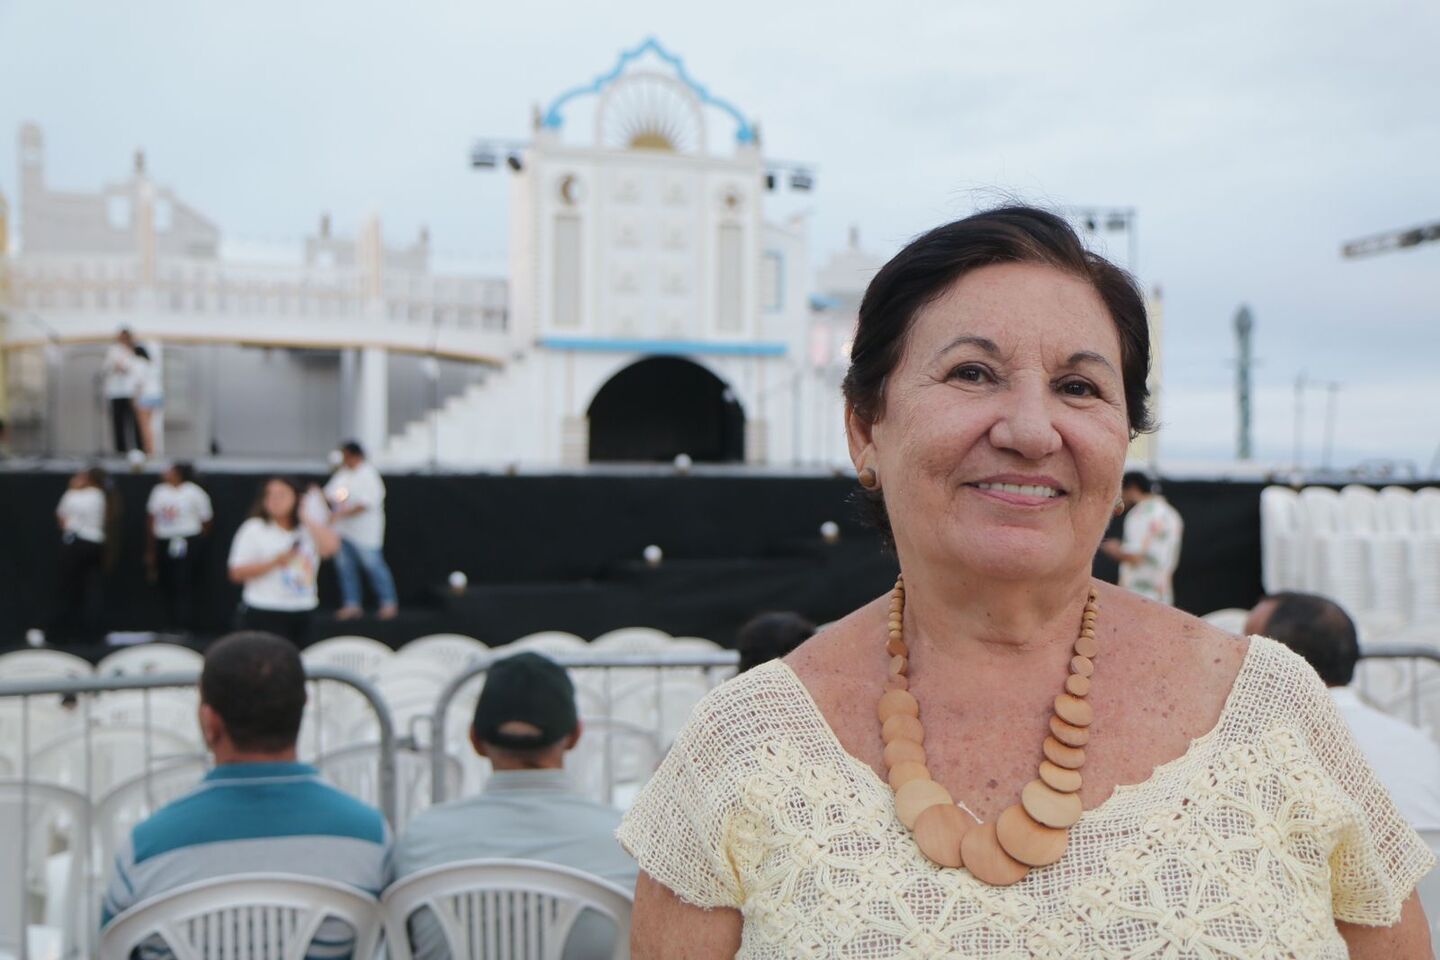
[
  {"x": 120, "y": 392},
  {"x": 357, "y": 502},
  {"x": 1150, "y": 551}
]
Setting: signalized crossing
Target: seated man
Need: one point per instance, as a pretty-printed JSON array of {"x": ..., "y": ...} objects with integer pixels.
[
  {"x": 525, "y": 721},
  {"x": 258, "y": 810},
  {"x": 1405, "y": 759}
]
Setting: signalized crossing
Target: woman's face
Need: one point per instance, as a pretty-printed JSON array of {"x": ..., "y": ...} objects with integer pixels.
[
  {"x": 1003, "y": 434},
  {"x": 279, "y": 500},
  {"x": 172, "y": 477}
]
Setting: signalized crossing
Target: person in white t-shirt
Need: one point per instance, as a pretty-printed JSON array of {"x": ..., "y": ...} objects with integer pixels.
[
  {"x": 86, "y": 514},
  {"x": 149, "y": 397},
  {"x": 119, "y": 386},
  {"x": 1150, "y": 551},
  {"x": 179, "y": 516},
  {"x": 276, "y": 555},
  {"x": 356, "y": 494},
  {"x": 1406, "y": 759}
]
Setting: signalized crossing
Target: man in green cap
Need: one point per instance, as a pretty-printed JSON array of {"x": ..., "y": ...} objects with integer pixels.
[{"x": 525, "y": 723}]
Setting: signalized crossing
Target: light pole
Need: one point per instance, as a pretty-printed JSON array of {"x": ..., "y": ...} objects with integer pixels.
[{"x": 1299, "y": 416}]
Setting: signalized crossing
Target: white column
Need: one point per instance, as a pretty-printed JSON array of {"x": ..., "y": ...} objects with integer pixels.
[{"x": 372, "y": 399}]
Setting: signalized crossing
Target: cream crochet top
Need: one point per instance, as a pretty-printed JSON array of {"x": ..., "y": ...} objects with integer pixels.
[{"x": 1251, "y": 844}]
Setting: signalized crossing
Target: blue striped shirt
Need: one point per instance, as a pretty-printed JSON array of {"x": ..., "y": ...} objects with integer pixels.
[{"x": 256, "y": 818}]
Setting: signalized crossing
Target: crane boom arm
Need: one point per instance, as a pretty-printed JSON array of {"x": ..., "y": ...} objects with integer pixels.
[{"x": 1391, "y": 240}]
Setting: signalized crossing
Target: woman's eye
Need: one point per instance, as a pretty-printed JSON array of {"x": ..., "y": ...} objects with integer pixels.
[
  {"x": 1078, "y": 388},
  {"x": 970, "y": 373}
]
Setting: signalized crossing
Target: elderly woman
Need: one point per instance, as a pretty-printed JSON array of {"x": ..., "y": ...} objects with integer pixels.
[{"x": 1004, "y": 757}]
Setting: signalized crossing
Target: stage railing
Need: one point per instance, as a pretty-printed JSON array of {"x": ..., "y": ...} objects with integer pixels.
[
  {"x": 79, "y": 694},
  {"x": 715, "y": 668}
]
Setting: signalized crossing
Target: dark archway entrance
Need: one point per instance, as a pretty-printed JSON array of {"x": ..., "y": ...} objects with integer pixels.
[{"x": 662, "y": 406}]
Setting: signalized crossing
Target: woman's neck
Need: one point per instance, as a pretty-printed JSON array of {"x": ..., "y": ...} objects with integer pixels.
[
  {"x": 956, "y": 613},
  {"x": 283, "y": 524}
]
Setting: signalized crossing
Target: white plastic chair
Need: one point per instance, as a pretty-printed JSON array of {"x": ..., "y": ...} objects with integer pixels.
[
  {"x": 146, "y": 658},
  {"x": 52, "y": 815},
  {"x": 1429, "y": 890},
  {"x": 356, "y": 770},
  {"x": 361, "y": 656},
  {"x": 546, "y": 642},
  {"x": 257, "y": 916},
  {"x": 113, "y": 754},
  {"x": 41, "y": 664},
  {"x": 451, "y": 652},
  {"x": 503, "y": 909},
  {"x": 1230, "y": 619}
]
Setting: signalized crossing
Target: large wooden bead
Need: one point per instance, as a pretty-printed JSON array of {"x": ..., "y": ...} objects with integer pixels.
[
  {"x": 905, "y": 771},
  {"x": 902, "y": 751},
  {"x": 939, "y": 831},
  {"x": 898, "y": 665},
  {"x": 1077, "y": 685},
  {"x": 1086, "y": 645},
  {"x": 1081, "y": 666},
  {"x": 1030, "y": 843},
  {"x": 1068, "y": 733},
  {"x": 896, "y": 647},
  {"x": 1074, "y": 710},
  {"x": 915, "y": 796},
  {"x": 897, "y": 702},
  {"x": 897, "y": 682},
  {"x": 902, "y": 727},
  {"x": 1066, "y": 781},
  {"x": 1062, "y": 756},
  {"x": 983, "y": 856},
  {"x": 1049, "y": 806}
]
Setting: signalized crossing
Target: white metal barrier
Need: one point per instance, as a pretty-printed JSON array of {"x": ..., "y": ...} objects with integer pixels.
[{"x": 60, "y": 734}]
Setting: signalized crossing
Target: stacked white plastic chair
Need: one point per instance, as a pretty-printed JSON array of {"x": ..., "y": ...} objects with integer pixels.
[
  {"x": 1280, "y": 541},
  {"x": 337, "y": 716}
]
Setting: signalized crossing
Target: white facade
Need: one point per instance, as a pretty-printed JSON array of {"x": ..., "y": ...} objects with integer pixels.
[{"x": 638, "y": 231}]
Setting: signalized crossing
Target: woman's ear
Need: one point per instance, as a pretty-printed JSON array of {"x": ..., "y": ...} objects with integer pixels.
[{"x": 859, "y": 436}]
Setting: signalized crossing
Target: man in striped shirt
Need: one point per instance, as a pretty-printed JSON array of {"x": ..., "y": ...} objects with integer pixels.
[{"x": 258, "y": 810}]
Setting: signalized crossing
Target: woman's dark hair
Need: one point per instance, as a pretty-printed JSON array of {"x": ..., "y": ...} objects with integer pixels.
[
  {"x": 770, "y": 636},
  {"x": 185, "y": 470},
  {"x": 141, "y": 352},
  {"x": 258, "y": 510},
  {"x": 256, "y": 683},
  {"x": 100, "y": 480},
  {"x": 932, "y": 263}
]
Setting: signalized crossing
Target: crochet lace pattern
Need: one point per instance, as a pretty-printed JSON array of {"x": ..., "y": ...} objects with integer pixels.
[{"x": 1251, "y": 844}]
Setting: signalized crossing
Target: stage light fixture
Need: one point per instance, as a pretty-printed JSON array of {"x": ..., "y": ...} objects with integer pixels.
[
  {"x": 769, "y": 181},
  {"x": 1116, "y": 222},
  {"x": 483, "y": 158},
  {"x": 801, "y": 180},
  {"x": 830, "y": 531},
  {"x": 514, "y": 163},
  {"x": 653, "y": 555},
  {"x": 1089, "y": 224}
]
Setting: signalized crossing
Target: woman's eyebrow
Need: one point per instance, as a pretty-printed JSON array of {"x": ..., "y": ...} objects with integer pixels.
[
  {"x": 988, "y": 346},
  {"x": 1088, "y": 356}
]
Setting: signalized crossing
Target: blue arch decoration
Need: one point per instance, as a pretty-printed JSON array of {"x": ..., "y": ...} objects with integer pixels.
[{"x": 554, "y": 119}]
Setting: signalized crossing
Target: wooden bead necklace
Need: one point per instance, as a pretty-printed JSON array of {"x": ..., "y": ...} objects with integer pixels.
[{"x": 1031, "y": 833}]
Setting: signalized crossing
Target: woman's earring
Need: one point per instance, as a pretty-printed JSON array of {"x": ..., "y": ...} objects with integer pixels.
[
  {"x": 869, "y": 479},
  {"x": 1119, "y": 506}
]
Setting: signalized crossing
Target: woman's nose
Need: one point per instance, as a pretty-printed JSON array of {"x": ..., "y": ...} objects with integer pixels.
[{"x": 1025, "y": 424}]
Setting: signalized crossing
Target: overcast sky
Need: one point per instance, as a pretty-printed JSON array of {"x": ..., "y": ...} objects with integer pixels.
[{"x": 1253, "y": 138}]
